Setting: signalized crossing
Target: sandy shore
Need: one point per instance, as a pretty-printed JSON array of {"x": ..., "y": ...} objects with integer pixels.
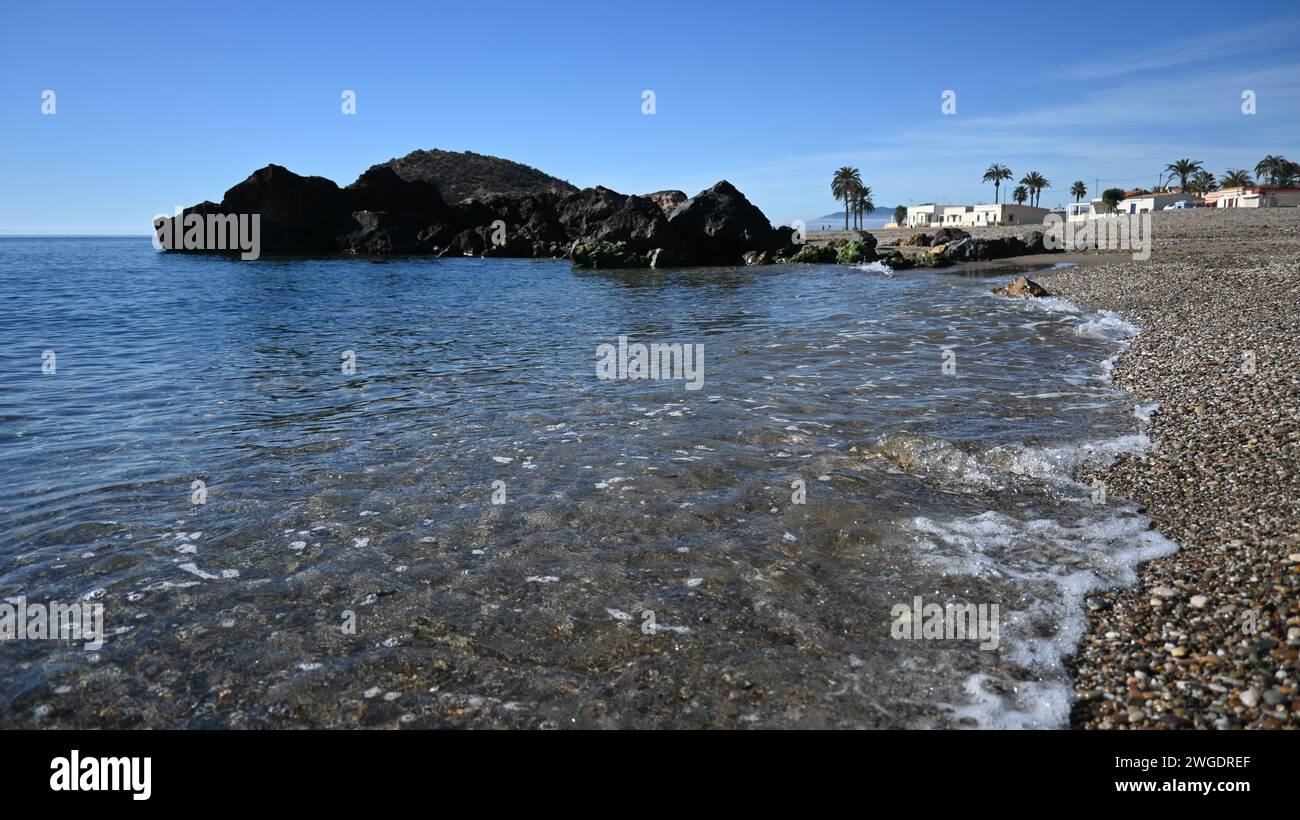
[{"x": 1210, "y": 635}]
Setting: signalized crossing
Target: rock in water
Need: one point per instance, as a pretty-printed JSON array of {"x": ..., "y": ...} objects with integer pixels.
[
  {"x": 1024, "y": 286},
  {"x": 388, "y": 213},
  {"x": 814, "y": 254},
  {"x": 381, "y": 189},
  {"x": 609, "y": 255},
  {"x": 945, "y": 235},
  {"x": 667, "y": 200},
  {"x": 858, "y": 252},
  {"x": 895, "y": 260},
  {"x": 397, "y": 208},
  {"x": 718, "y": 225},
  {"x": 298, "y": 214},
  {"x": 595, "y": 215}
]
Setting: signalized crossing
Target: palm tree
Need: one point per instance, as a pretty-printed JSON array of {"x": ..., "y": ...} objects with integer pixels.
[
  {"x": 1273, "y": 166},
  {"x": 995, "y": 174},
  {"x": 1078, "y": 190},
  {"x": 1202, "y": 183},
  {"x": 843, "y": 185},
  {"x": 1183, "y": 169},
  {"x": 1020, "y": 194},
  {"x": 1289, "y": 176},
  {"x": 862, "y": 203},
  {"x": 1035, "y": 182},
  {"x": 1236, "y": 179}
]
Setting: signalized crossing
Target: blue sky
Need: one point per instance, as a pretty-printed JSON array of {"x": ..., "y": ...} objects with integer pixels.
[{"x": 168, "y": 104}]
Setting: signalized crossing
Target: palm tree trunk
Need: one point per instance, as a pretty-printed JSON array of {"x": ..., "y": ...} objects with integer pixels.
[
  {"x": 997, "y": 192},
  {"x": 846, "y": 212}
]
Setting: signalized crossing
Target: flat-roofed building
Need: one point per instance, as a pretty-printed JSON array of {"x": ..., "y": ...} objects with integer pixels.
[
  {"x": 1007, "y": 214},
  {"x": 973, "y": 216},
  {"x": 1078, "y": 211},
  {"x": 1254, "y": 196},
  {"x": 923, "y": 216}
]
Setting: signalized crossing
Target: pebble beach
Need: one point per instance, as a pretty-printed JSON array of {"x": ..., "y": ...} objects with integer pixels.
[{"x": 1209, "y": 638}]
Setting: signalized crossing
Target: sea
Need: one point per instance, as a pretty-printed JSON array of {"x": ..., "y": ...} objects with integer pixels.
[{"x": 415, "y": 492}]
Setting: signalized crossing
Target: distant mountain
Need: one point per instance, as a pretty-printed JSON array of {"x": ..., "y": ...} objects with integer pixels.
[
  {"x": 875, "y": 219},
  {"x": 460, "y": 175}
]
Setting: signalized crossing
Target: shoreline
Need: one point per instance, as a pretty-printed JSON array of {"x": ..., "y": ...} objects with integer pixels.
[{"x": 1209, "y": 636}]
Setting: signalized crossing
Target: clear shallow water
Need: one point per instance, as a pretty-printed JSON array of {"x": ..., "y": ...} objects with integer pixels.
[{"x": 366, "y": 499}]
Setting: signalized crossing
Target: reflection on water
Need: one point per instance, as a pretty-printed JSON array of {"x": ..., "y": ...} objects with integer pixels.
[{"x": 649, "y": 565}]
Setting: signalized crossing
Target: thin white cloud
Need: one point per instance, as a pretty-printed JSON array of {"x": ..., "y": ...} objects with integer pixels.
[
  {"x": 1123, "y": 133},
  {"x": 1175, "y": 53}
]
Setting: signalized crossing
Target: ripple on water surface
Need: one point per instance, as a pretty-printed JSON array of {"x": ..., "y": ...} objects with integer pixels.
[{"x": 660, "y": 556}]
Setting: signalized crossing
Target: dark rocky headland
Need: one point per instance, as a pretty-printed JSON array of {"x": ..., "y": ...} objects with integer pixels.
[
  {"x": 399, "y": 208},
  {"x": 505, "y": 209}
]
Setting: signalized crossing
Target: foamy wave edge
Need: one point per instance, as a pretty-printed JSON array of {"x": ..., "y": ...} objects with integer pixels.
[{"x": 1046, "y": 703}]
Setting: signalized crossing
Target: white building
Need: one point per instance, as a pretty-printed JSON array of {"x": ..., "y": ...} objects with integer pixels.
[
  {"x": 923, "y": 216},
  {"x": 1147, "y": 203},
  {"x": 1137, "y": 202},
  {"x": 1008, "y": 214},
  {"x": 956, "y": 215},
  {"x": 1078, "y": 211},
  {"x": 1254, "y": 197},
  {"x": 972, "y": 216}
]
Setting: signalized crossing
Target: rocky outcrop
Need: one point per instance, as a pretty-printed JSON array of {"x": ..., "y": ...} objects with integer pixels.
[
  {"x": 600, "y": 215},
  {"x": 1022, "y": 287},
  {"x": 461, "y": 175},
  {"x": 381, "y": 189},
  {"x": 392, "y": 210},
  {"x": 971, "y": 250},
  {"x": 718, "y": 225},
  {"x": 297, "y": 214},
  {"x": 375, "y": 233},
  {"x": 981, "y": 249},
  {"x": 667, "y": 200},
  {"x": 815, "y": 254},
  {"x": 943, "y": 236},
  {"x": 895, "y": 260},
  {"x": 858, "y": 251},
  {"x": 388, "y": 213},
  {"x": 1032, "y": 242},
  {"x": 978, "y": 250},
  {"x": 609, "y": 255}
]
